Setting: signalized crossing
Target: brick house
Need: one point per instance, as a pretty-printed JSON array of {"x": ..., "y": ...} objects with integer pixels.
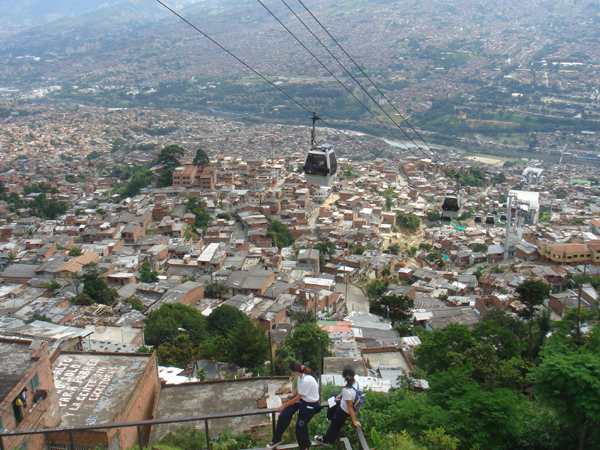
[{"x": 29, "y": 372}]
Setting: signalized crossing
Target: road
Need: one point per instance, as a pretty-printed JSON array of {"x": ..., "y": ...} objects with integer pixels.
[{"x": 356, "y": 300}]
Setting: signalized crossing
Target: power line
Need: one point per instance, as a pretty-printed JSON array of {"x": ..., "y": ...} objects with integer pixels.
[
  {"x": 371, "y": 81},
  {"x": 356, "y": 81},
  {"x": 326, "y": 68},
  {"x": 251, "y": 68}
]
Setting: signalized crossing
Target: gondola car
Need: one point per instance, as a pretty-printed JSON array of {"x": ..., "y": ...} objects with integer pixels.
[
  {"x": 320, "y": 165},
  {"x": 451, "y": 206}
]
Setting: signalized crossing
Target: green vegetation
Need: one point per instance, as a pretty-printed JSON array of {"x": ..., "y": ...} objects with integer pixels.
[
  {"x": 195, "y": 205},
  {"x": 280, "y": 234},
  {"x": 397, "y": 308},
  {"x": 37, "y": 316},
  {"x": 201, "y": 158},
  {"x": 136, "y": 303},
  {"x": 480, "y": 248},
  {"x": 233, "y": 338},
  {"x": 52, "y": 286},
  {"x": 95, "y": 289},
  {"x": 214, "y": 290},
  {"x": 326, "y": 251},
  {"x": 308, "y": 343},
  {"x": 35, "y": 188},
  {"x": 476, "y": 177},
  {"x": 376, "y": 288},
  {"x": 408, "y": 221},
  {"x": 139, "y": 177},
  {"x": 168, "y": 159},
  {"x": 46, "y": 208},
  {"x": 146, "y": 274}
]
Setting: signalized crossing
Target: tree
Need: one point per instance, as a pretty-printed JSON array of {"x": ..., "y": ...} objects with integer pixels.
[
  {"x": 280, "y": 234},
  {"x": 201, "y": 159},
  {"x": 95, "y": 288},
  {"x": 224, "y": 319},
  {"x": 136, "y": 303},
  {"x": 440, "y": 349},
  {"x": 140, "y": 178},
  {"x": 195, "y": 205},
  {"x": 568, "y": 379},
  {"x": 300, "y": 317},
  {"x": 503, "y": 340},
  {"x": 480, "y": 248},
  {"x": 170, "y": 155},
  {"x": 532, "y": 293},
  {"x": 432, "y": 216},
  {"x": 178, "y": 352},
  {"x": 167, "y": 322},
  {"x": 213, "y": 349},
  {"x": 425, "y": 246},
  {"x": 165, "y": 178},
  {"x": 75, "y": 251},
  {"x": 309, "y": 344},
  {"x": 326, "y": 248},
  {"x": 499, "y": 178},
  {"x": 408, "y": 221},
  {"x": 215, "y": 290},
  {"x": 394, "y": 249},
  {"x": 376, "y": 288},
  {"x": 147, "y": 275},
  {"x": 248, "y": 346},
  {"x": 52, "y": 286},
  {"x": 398, "y": 308}
]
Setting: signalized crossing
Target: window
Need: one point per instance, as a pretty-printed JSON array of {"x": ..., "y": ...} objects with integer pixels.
[
  {"x": 1, "y": 424},
  {"x": 35, "y": 383}
]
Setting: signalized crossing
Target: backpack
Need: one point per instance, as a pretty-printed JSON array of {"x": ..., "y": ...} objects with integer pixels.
[{"x": 359, "y": 399}]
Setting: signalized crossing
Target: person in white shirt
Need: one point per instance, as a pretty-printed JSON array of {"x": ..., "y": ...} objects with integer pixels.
[
  {"x": 305, "y": 400},
  {"x": 343, "y": 408}
]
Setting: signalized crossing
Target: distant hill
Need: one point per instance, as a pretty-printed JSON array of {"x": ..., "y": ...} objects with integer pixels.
[
  {"x": 29, "y": 13},
  {"x": 50, "y": 16}
]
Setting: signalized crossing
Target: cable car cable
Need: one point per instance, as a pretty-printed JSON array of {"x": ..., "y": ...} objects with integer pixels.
[
  {"x": 372, "y": 83},
  {"x": 329, "y": 71},
  {"x": 254, "y": 70},
  {"x": 353, "y": 78}
]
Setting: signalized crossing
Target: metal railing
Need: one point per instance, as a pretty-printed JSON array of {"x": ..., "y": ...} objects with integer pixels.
[{"x": 145, "y": 423}]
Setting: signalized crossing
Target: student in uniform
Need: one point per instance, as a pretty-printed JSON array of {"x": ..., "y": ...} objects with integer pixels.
[
  {"x": 343, "y": 408},
  {"x": 305, "y": 400}
]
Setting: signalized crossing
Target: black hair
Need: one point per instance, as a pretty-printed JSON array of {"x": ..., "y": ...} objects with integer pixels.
[
  {"x": 296, "y": 366},
  {"x": 348, "y": 374}
]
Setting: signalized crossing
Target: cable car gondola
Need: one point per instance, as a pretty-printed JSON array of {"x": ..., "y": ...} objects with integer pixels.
[
  {"x": 451, "y": 206},
  {"x": 320, "y": 164}
]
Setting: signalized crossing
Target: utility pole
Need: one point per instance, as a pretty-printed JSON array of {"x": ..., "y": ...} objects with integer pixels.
[
  {"x": 508, "y": 220},
  {"x": 271, "y": 351},
  {"x": 579, "y": 302}
]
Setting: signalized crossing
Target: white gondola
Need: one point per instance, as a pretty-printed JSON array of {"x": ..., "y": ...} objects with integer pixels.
[
  {"x": 451, "y": 206},
  {"x": 320, "y": 164}
]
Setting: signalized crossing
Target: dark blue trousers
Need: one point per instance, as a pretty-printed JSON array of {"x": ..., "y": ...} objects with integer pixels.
[
  {"x": 305, "y": 412},
  {"x": 337, "y": 416}
]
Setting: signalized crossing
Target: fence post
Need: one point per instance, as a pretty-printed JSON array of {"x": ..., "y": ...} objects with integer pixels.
[
  {"x": 72, "y": 440},
  {"x": 139, "y": 433},
  {"x": 207, "y": 435},
  {"x": 273, "y": 423}
]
